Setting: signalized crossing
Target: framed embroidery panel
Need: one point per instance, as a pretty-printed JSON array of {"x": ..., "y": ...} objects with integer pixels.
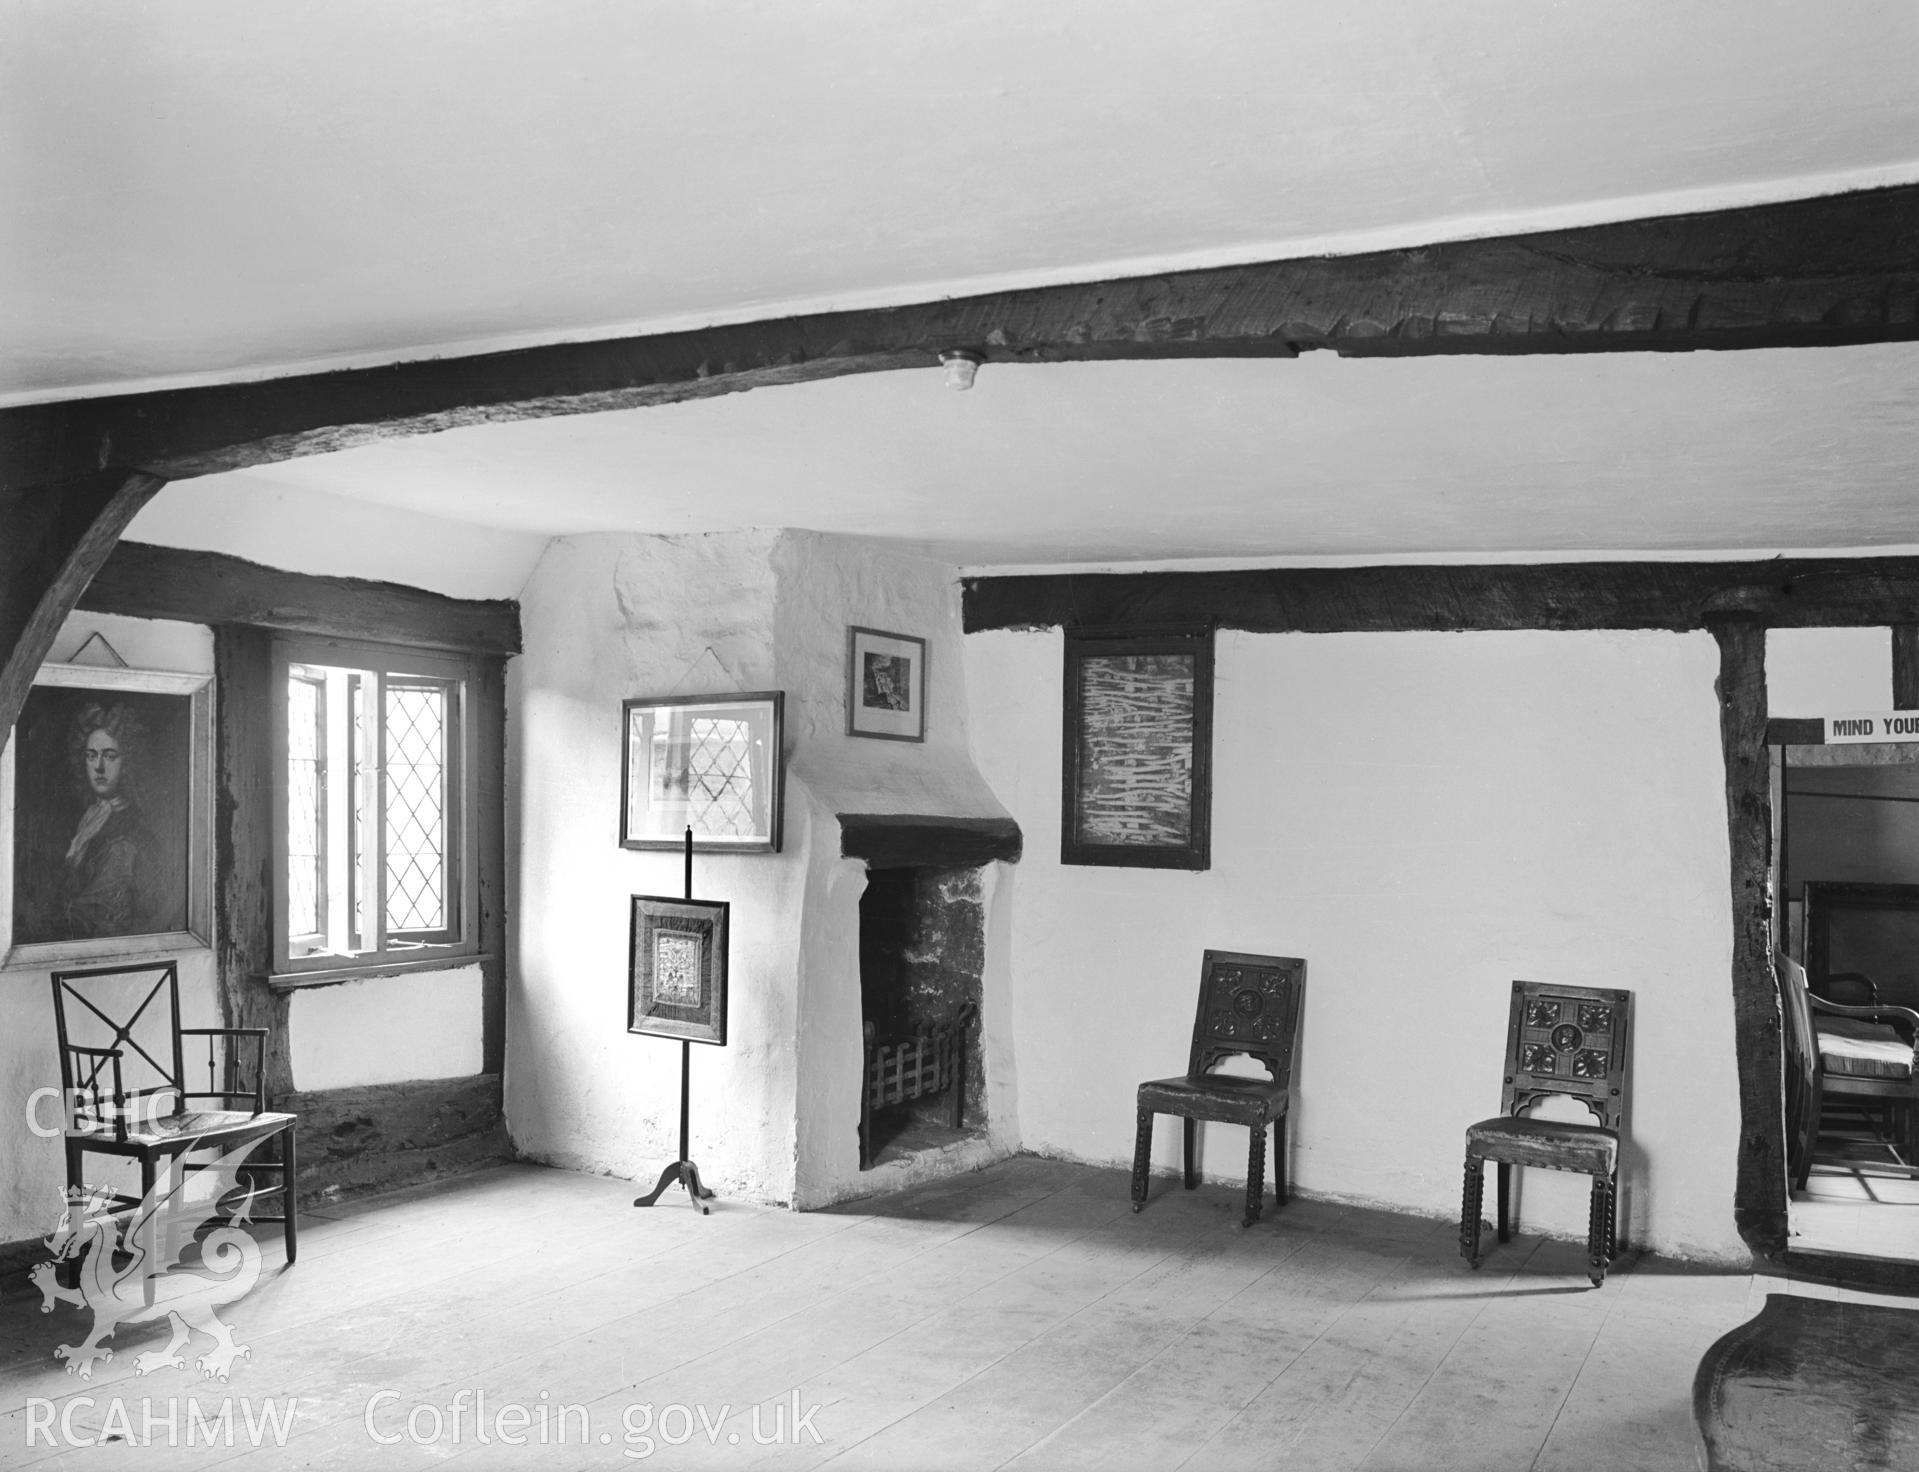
[
  {"x": 106, "y": 815},
  {"x": 1137, "y": 783},
  {"x": 676, "y": 970}
]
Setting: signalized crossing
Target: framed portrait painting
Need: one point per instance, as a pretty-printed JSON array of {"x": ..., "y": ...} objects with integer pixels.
[
  {"x": 676, "y": 969},
  {"x": 1137, "y": 782},
  {"x": 885, "y": 685},
  {"x": 106, "y": 800},
  {"x": 711, "y": 763}
]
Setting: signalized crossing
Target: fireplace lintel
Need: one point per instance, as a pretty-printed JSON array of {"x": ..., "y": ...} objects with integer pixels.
[{"x": 901, "y": 840}]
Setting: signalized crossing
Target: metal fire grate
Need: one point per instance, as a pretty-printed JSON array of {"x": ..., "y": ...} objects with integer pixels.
[{"x": 932, "y": 1061}]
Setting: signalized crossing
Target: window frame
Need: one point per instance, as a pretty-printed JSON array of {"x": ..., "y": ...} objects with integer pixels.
[{"x": 459, "y": 940}]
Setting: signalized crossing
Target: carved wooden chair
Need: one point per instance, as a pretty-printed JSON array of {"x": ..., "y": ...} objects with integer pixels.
[
  {"x": 127, "y": 1093},
  {"x": 1566, "y": 1040},
  {"x": 1247, "y": 1004}
]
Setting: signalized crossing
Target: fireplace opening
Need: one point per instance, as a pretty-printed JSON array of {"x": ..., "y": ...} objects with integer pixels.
[{"x": 922, "y": 948}]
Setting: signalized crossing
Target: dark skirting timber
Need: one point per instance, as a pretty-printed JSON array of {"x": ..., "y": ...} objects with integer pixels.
[
  {"x": 1784, "y": 592},
  {"x": 1835, "y": 270},
  {"x": 896, "y": 841},
  {"x": 378, "y": 1136}
]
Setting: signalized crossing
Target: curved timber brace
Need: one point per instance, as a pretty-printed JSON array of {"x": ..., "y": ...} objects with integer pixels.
[{"x": 53, "y": 539}]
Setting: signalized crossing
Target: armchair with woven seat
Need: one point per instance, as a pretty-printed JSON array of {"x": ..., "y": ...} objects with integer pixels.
[
  {"x": 1860, "y": 1056},
  {"x": 124, "y": 1079},
  {"x": 1571, "y": 1041},
  {"x": 1247, "y": 1004}
]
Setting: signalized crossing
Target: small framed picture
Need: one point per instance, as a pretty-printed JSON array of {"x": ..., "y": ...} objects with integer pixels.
[
  {"x": 677, "y": 969},
  {"x": 706, "y": 762},
  {"x": 885, "y": 685},
  {"x": 106, "y": 815}
]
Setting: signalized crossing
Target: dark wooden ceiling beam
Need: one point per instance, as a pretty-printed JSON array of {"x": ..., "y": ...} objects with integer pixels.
[
  {"x": 1781, "y": 592},
  {"x": 144, "y": 581},
  {"x": 1837, "y": 270}
]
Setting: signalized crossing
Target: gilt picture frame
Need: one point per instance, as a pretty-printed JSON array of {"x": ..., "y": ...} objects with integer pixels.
[
  {"x": 1137, "y": 750},
  {"x": 676, "y": 969},
  {"x": 885, "y": 685},
  {"x": 106, "y": 816},
  {"x": 712, "y": 763}
]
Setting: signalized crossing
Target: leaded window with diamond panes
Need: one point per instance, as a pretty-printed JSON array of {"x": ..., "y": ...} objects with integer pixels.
[
  {"x": 372, "y": 790},
  {"x": 306, "y": 810},
  {"x": 415, "y": 806}
]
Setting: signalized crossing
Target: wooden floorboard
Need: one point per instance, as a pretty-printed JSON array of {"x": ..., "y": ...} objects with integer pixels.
[{"x": 1019, "y": 1317}]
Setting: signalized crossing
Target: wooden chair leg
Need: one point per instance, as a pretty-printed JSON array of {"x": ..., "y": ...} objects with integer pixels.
[
  {"x": 1505, "y": 1195},
  {"x": 1597, "y": 1232},
  {"x": 156, "y": 1233},
  {"x": 1142, "y": 1155},
  {"x": 1279, "y": 1161},
  {"x": 290, "y": 1196},
  {"x": 1471, "y": 1202},
  {"x": 68, "y": 1273},
  {"x": 1255, "y": 1174},
  {"x": 1190, "y": 1137}
]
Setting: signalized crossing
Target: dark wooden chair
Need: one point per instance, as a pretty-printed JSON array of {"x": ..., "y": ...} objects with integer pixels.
[
  {"x": 124, "y": 1080},
  {"x": 1247, "y": 1004},
  {"x": 1567, "y": 1040},
  {"x": 1864, "y": 1057}
]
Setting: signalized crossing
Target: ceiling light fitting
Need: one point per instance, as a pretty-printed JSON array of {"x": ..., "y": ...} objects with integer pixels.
[{"x": 962, "y": 366}]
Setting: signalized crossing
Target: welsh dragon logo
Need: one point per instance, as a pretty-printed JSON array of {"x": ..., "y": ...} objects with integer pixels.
[{"x": 131, "y": 1267}]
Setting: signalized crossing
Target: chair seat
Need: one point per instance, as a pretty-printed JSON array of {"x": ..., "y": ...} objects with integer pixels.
[
  {"x": 1223, "y": 1097},
  {"x": 190, "y": 1130},
  {"x": 1523, "y": 1140},
  {"x": 1861, "y": 1049}
]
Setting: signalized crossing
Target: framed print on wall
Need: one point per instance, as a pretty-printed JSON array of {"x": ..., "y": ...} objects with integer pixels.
[
  {"x": 885, "y": 685},
  {"x": 711, "y": 763},
  {"x": 1137, "y": 787},
  {"x": 676, "y": 971},
  {"x": 106, "y": 815}
]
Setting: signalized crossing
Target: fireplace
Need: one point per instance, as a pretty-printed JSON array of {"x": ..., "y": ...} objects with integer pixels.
[{"x": 922, "y": 949}]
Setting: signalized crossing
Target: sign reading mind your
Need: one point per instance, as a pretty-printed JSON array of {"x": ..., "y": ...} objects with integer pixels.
[{"x": 1890, "y": 725}]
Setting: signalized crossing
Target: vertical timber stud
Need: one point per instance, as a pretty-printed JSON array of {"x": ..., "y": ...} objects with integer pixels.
[
  {"x": 1905, "y": 666},
  {"x": 243, "y": 843},
  {"x": 53, "y": 539},
  {"x": 1759, "y": 1195},
  {"x": 489, "y": 806}
]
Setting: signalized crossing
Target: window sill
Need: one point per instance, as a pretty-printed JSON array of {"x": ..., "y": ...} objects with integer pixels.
[{"x": 289, "y": 981}]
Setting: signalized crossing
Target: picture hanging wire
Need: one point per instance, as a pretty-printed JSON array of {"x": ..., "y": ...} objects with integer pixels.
[
  {"x": 79, "y": 656},
  {"x": 706, "y": 656}
]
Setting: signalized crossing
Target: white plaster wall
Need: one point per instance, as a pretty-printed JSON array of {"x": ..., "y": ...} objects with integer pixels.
[
  {"x": 390, "y": 1029},
  {"x": 1825, "y": 672},
  {"x": 32, "y": 1168},
  {"x": 606, "y": 618},
  {"x": 826, "y": 584},
  {"x": 387, "y": 1029},
  {"x": 1425, "y": 818},
  {"x": 251, "y": 515}
]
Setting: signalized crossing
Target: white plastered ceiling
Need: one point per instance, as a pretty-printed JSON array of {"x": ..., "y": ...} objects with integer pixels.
[{"x": 214, "y": 190}]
